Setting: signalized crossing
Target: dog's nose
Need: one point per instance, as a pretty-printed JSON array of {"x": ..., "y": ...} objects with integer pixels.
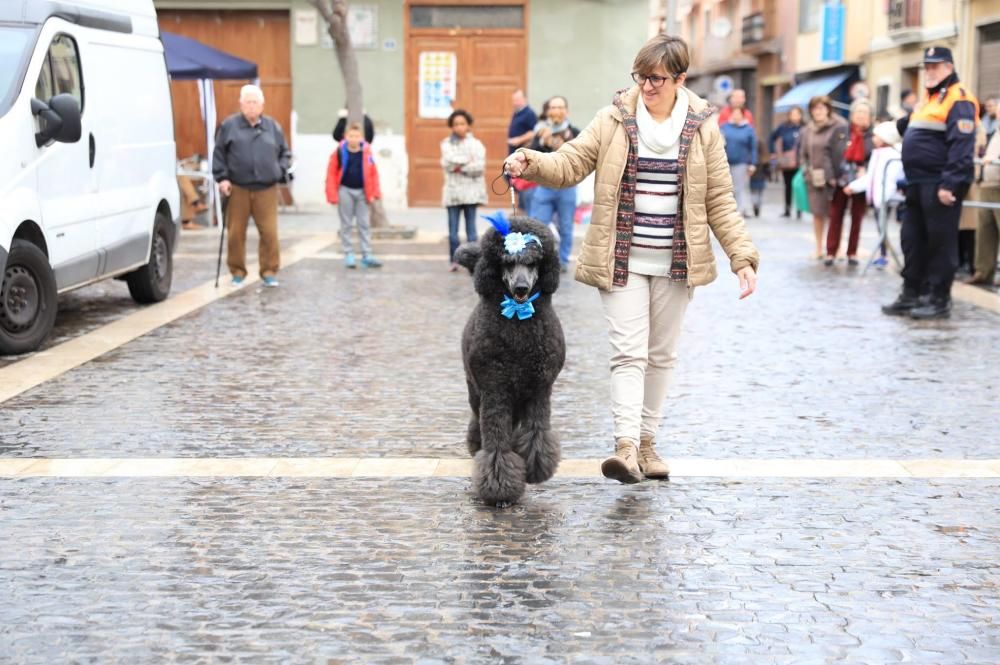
[{"x": 521, "y": 290}]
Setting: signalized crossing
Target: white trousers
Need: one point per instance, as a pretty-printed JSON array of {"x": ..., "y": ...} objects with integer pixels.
[{"x": 644, "y": 323}]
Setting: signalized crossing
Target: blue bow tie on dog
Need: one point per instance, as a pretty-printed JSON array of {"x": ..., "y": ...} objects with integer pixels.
[{"x": 524, "y": 310}]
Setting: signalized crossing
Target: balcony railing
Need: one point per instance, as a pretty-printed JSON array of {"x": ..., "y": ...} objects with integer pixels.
[{"x": 753, "y": 29}]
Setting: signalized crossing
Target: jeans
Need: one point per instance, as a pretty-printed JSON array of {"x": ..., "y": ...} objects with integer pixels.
[
  {"x": 454, "y": 212},
  {"x": 545, "y": 203}
]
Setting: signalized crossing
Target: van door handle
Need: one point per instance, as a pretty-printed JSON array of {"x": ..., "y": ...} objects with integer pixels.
[{"x": 93, "y": 150}]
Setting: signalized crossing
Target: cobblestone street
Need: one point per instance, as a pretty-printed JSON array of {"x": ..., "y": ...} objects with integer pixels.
[{"x": 364, "y": 364}]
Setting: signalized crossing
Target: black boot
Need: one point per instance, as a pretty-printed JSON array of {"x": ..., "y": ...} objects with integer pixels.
[
  {"x": 935, "y": 308},
  {"x": 904, "y": 304},
  {"x": 787, "y": 213}
]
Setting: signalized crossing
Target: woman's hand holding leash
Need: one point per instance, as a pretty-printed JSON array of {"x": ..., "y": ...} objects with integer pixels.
[
  {"x": 515, "y": 164},
  {"x": 748, "y": 281}
]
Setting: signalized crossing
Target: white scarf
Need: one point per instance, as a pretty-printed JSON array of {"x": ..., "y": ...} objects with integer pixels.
[{"x": 661, "y": 136}]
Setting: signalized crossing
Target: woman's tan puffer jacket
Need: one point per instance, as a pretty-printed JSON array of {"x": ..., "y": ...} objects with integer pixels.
[{"x": 707, "y": 188}]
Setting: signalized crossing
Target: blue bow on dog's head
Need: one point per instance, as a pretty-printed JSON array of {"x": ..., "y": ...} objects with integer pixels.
[{"x": 514, "y": 242}]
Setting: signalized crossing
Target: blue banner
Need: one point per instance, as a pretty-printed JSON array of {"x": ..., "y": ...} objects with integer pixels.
[{"x": 832, "y": 45}]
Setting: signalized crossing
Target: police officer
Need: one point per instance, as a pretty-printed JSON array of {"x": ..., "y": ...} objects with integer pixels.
[{"x": 939, "y": 139}]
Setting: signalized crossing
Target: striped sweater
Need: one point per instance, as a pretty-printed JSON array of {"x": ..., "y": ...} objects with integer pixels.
[{"x": 656, "y": 201}]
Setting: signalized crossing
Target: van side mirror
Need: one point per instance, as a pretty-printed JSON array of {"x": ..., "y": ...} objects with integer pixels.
[{"x": 60, "y": 119}]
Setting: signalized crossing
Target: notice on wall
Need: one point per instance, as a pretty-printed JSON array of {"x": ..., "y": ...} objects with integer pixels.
[
  {"x": 437, "y": 83},
  {"x": 306, "y": 27},
  {"x": 362, "y": 25}
]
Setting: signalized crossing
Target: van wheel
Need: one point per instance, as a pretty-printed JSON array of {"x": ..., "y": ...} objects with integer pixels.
[
  {"x": 28, "y": 299},
  {"x": 151, "y": 283}
]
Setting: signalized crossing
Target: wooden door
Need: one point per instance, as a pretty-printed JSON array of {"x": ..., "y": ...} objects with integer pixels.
[
  {"x": 491, "y": 65},
  {"x": 258, "y": 36}
]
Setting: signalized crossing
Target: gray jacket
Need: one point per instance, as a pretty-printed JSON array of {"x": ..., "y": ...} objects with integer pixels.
[{"x": 251, "y": 157}]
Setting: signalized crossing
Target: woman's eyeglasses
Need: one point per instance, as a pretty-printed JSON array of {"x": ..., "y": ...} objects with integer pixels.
[{"x": 656, "y": 81}]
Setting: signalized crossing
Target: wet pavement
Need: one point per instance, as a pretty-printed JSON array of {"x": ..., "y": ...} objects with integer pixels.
[{"x": 339, "y": 363}]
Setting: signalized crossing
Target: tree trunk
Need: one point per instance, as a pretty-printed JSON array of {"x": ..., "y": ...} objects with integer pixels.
[{"x": 335, "y": 14}]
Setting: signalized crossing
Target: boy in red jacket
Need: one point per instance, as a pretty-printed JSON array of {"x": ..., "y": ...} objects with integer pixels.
[{"x": 351, "y": 184}]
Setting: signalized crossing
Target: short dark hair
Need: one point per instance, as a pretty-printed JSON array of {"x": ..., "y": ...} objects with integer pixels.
[
  {"x": 903, "y": 95},
  {"x": 459, "y": 113}
]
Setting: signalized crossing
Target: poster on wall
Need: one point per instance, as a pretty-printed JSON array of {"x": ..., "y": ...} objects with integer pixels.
[
  {"x": 437, "y": 81},
  {"x": 362, "y": 25},
  {"x": 362, "y": 28}
]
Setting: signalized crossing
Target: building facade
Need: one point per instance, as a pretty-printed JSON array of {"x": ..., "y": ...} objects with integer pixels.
[{"x": 476, "y": 53}]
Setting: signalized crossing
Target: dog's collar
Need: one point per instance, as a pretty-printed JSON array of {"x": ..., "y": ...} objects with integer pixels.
[{"x": 523, "y": 310}]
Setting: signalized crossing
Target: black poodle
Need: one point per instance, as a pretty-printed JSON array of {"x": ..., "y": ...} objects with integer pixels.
[{"x": 513, "y": 349}]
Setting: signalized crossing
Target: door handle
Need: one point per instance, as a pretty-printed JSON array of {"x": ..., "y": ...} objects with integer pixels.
[{"x": 93, "y": 150}]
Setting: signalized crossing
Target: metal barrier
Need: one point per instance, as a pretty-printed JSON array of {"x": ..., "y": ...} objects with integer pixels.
[{"x": 882, "y": 219}]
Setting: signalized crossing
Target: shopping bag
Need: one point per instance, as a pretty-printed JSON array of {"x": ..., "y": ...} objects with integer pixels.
[{"x": 799, "y": 193}]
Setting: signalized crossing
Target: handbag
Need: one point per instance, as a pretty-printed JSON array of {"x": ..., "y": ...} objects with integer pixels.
[
  {"x": 817, "y": 178},
  {"x": 799, "y": 192},
  {"x": 788, "y": 160}
]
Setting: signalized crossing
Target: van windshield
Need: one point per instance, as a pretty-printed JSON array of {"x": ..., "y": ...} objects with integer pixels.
[{"x": 15, "y": 49}]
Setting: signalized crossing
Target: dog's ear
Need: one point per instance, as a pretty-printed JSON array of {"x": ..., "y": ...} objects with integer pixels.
[
  {"x": 468, "y": 254},
  {"x": 548, "y": 278}
]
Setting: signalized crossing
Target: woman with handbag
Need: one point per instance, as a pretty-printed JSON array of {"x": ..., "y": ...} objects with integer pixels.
[
  {"x": 856, "y": 154},
  {"x": 822, "y": 154},
  {"x": 784, "y": 148}
]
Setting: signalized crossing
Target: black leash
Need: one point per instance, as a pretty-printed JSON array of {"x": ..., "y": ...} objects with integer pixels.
[{"x": 510, "y": 188}]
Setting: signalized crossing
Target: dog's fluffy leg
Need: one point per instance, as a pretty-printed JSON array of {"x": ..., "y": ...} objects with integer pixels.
[
  {"x": 498, "y": 473},
  {"x": 535, "y": 442},
  {"x": 473, "y": 436}
]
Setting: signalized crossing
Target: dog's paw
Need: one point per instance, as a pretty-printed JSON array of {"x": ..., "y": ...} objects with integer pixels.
[
  {"x": 498, "y": 477},
  {"x": 541, "y": 453}
]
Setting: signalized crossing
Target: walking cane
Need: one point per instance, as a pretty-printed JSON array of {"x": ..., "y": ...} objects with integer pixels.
[{"x": 222, "y": 234}]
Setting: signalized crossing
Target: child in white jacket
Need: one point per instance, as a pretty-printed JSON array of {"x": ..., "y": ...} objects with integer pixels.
[{"x": 884, "y": 170}]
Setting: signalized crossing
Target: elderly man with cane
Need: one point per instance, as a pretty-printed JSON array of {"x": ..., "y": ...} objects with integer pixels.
[{"x": 251, "y": 157}]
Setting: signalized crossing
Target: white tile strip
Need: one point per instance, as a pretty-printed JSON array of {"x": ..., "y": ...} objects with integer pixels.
[
  {"x": 46, "y": 365},
  {"x": 425, "y": 467}
]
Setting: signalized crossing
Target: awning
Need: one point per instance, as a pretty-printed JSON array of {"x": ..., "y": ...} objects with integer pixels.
[
  {"x": 803, "y": 92},
  {"x": 188, "y": 59}
]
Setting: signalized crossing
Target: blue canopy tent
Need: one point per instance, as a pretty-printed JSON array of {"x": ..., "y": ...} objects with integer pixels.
[
  {"x": 190, "y": 60},
  {"x": 803, "y": 92}
]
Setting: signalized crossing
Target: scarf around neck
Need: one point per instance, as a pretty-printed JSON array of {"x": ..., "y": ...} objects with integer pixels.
[
  {"x": 553, "y": 127},
  {"x": 661, "y": 136}
]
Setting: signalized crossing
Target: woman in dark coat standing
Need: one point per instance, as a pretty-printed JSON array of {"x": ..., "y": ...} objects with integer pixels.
[
  {"x": 856, "y": 153},
  {"x": 822, "y": 153},
  {"x": 784, "y": 149}
]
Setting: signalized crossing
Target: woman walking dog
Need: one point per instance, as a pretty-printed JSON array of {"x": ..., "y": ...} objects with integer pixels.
[{"x": 648, "y": 243}]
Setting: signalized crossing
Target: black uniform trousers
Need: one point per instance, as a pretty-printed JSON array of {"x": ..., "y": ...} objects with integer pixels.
[{"x": 930, "y": 240}]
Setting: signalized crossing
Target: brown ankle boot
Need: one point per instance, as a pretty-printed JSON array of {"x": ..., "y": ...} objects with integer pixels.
[
  {"x": 623, "y": 466},
  {"x": 650, "y": 463}
]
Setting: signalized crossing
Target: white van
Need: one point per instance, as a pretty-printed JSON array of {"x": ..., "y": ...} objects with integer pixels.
[{"x": 88, "y": 186}]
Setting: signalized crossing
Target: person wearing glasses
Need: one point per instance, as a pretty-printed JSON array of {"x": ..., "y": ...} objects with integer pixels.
[
  {"x": 551, "y": 132},
  {"x": 661, "y": 189}
]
